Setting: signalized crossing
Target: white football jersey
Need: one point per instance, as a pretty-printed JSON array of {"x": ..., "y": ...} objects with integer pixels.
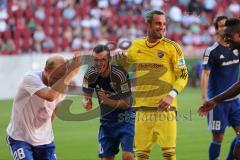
[{"x": 31, "y": 115}]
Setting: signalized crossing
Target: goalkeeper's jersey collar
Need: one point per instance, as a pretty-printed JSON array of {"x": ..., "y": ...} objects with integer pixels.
[{"x": 151, "y": 45}]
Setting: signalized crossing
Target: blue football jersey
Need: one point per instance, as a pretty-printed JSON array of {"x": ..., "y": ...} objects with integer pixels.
[
  {"x": 116, "y": 86},
  {"x": 223, "y": 64}
]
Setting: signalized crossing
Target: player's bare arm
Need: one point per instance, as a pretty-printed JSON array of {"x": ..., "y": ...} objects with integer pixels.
[
  {"x": 206, "y": 107},
  {"x": 204, "y": 84},
  {"x": 233, "y": 91},
  {"x": 209, "y": 105},
  {"x": 63, "y": 75}
]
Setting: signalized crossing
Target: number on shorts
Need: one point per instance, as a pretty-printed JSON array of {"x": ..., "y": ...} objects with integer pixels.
[
  {"x": 100, "y": 149},
  {"x": 19, "y": 154},
  {"x": 216, "y": 125}
]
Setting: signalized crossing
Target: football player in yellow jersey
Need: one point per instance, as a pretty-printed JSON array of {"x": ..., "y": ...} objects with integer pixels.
[{"x": 160, "y": 74}]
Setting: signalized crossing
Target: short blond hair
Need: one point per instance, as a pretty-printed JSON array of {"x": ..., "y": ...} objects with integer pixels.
[{"x": 54, "y": 61}]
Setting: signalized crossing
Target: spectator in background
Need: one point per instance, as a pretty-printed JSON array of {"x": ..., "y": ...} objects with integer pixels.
[
  {"x": 31, "y": 25},
  {"x": 3, "y": 13},
  {"x": 209, "y": 5},
  {"x": 234, "y": 8},
  {"x": 40, "y": 13},
  {"x": 175, "y": 14},
  {"x": 21, "y": 24},
  {"x": 39, "y": 34},
  {"x": 47, "y": 45},
  {"x": 3, "y": 16},
  {"x": 9, "y": 46},
  {"x": 69, "y": 12},
  {"x": 103, "y": 4},
  {"x": 76, "y": 43},
  {"x": 194, "y": 6},
  {"x": 156, "y": 4},
  {"x": 3, "y": 25},
  {"x": 3, "y": 3}
]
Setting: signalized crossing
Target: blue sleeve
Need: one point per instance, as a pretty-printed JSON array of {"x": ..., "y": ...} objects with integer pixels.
[{"x": 208, "y": 60}]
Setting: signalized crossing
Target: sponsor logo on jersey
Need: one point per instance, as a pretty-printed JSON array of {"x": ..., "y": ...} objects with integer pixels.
[
  {"x": 149, "y": 65},
  {"x": 139, "y": 51},
  {"x": 230, "y": 62},
  {"x": 160, "y": 54}
]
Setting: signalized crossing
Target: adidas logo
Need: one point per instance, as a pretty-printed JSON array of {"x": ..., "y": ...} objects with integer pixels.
[{"x": 221, "y": 56}]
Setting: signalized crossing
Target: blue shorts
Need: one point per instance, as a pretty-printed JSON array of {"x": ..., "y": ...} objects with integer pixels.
[
  {"x": 112, "y": 134},
  {"x": 21, "y": 150},
  {"x": 223, "y": 115}
]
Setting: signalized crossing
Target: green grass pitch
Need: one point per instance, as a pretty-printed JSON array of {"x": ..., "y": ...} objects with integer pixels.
[{"x": 78, "y": 140}]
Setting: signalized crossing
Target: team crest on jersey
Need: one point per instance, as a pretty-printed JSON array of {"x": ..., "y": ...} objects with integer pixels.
[
  {"x": 125, "y": 88},
  {"x": 139, "y": 51},
  {"x": 235, "y": 52},
  {"x": 160, "y": 54}
]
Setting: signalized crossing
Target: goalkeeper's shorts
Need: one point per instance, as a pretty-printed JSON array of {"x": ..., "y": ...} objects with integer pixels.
[{"x": 154, "y": 127}]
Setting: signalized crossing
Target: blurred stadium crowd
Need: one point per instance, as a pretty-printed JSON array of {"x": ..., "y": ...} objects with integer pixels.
[{"x": 46, "y": 26}]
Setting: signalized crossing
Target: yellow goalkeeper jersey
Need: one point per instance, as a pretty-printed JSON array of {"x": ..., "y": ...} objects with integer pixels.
[{"x": 158, "y": 68}]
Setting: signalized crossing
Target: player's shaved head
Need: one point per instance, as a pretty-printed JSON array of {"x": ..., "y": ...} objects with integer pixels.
[
  {"x": 233, "y": 24},
  {"x": 54, "y": 61},
  {"x": 150, "y": 14}
]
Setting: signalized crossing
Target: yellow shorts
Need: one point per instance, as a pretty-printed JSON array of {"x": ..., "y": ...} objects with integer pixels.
[{"x": 154, "y": 127}]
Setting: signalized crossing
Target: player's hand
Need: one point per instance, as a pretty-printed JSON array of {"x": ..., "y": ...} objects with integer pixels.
[
  {"x": 204, "y": 99},
  {"x": 73, "y": 67},
  {"x": 120, "y": 52},
  {"x": 164, "y": 103},
  {"x": 206, "y": 107},
  {"x": 119, "y": 55},
  {"x": 87, "y": 103},
  {"x": 103, "y": 97},
  {"x": 75, "y": 63}
]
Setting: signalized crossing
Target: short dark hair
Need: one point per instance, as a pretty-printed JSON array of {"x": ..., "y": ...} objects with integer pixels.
[
  {"x": 99, "y": 48},
  {"x": 218, "y": 19},
  {"x": 149, "y": 15},
  {"x": 234, "y": 24}
]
